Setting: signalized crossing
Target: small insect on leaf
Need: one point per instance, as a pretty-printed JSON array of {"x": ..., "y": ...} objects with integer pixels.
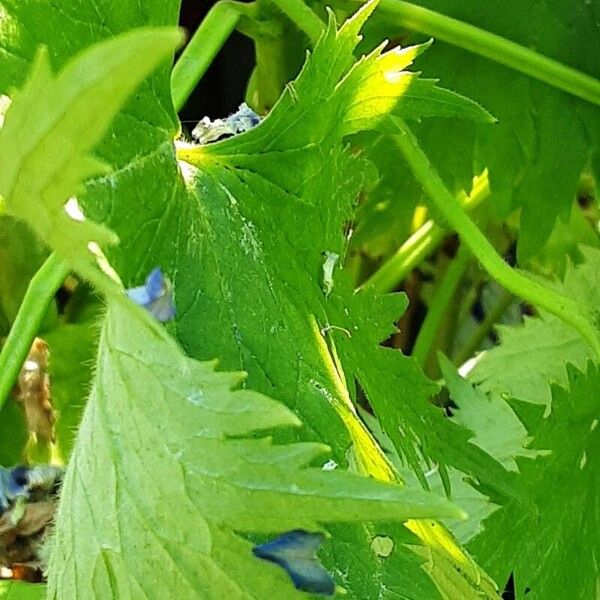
[
  {"x": 295, "y": 551},
  {"x": 156, "y": 295}
]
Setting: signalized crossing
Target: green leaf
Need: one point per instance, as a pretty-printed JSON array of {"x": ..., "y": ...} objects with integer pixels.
[
  {"x": 499, "y": 434},
  {"x": 277, "y": 63},
  {"x": 496, "y": 429},
  {"x": 21, "y": 255},
  {"x": 530, "y": 164},
  {"x": 552, "y": 556},
  {"x": 399, "y": 394},
  {"x": 269, "y": 185},
  {"x": 265, "y": 184},
  {"x": 73, "y": 345},
  {"x": 181, "y": 475},
  {"x": 19, "y": 590},
  {"x": 68, "y": 123},
  {"x": 532, "y": 355},
  {"x": 241, "y": 238},
  {"x": 65, "y": 116},
  {"x": 378, "y": 86},
  {"x": 270, "y": 203},
  {"x": 14, "y": 434}
]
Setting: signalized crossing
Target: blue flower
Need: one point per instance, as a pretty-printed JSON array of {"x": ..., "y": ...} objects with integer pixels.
[
  {"x": 21, "y": 482},
  {"x": 296, "y": 552},
  {"x": 155, "y": 295}
]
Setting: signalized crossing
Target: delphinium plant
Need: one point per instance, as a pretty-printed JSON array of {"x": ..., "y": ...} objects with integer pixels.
[{"x": 342, "y": 341}]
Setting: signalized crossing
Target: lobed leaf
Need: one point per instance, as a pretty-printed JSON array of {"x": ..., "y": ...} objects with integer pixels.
[
  {"x": 534, "y": 354},
  {"x": 241, "y": 237},
  {"x": 181, "y": 476},
  {"x": 544, "y": 138},
  {"x": 549, "y": 555}
]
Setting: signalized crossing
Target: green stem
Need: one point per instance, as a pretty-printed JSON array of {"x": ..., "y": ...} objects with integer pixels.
[
  {"x": 444, "y": 293},
  {"x": 40, "y": 293},
  {"x": 209, "y": 38},
  {"x": 489, "y": 45},
  {"x": 474, "y": 342},
  {"x": 419, "y": 246},
  {"x": 514, "y": 281},
  {"x": 302, "y": 16}
]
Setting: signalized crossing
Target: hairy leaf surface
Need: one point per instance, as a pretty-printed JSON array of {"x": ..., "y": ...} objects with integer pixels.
[{"x": 181, "y": 475}]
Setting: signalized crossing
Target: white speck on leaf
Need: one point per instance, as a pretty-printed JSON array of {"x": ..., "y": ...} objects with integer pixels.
[{"x": 331, "y": 259}]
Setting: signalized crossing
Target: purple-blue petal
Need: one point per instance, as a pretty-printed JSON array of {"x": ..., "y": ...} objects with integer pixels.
[
  {"x": 155, "y": 283},
  {"x": 19, "y": 481},
  {"x": 295, "y": 551},
  {"x": 155, "y": 295},
  {"x": 139, "y": 295},
  {"x": 10, "y": 488},
  {"x": 162, "y": 308}
]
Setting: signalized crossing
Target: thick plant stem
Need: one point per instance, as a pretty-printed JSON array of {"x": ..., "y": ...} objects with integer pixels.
[
  {"x": 420, "y": 245},
  {"x": 39, "y": 295},
  {"x": 215, "y": 29},
  {"x": 514, "y": 281},
  {"x": 444, "y": 294},
  {"x": 302, "y": 16},
  {"x": 489, "y": 45}
]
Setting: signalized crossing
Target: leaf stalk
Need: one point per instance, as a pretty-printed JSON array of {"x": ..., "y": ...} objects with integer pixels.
[
  {"x": 40, "y": 293},
  {"x": 209, "y": 38},
  {"x": 489, "y": 45},
  {"x": 302, "y": 16},
  {"x": 516, "y": 282},
  {"x": 420, "y": 245},
  {"x": 445, "y": 292}
]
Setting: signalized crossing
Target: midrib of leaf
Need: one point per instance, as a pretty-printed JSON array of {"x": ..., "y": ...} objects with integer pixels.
[{"x": 220, "y": 162}]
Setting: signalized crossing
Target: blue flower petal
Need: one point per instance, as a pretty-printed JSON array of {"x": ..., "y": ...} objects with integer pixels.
[
  {"x": 139, "y": 295},
  {"x": 162, "y": 308},
  {"x": 155, "y": 295},
  {"x": 21, "y": 481},
  {"x": 155, "y": 283},
  {"x": 7, "y": 491},
  {"x": 295, "y": 551}
]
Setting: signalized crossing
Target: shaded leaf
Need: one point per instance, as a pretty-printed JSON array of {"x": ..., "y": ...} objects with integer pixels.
[
  {"x": 552, "y": 556},
  {"x": 544, "y": 137}
]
